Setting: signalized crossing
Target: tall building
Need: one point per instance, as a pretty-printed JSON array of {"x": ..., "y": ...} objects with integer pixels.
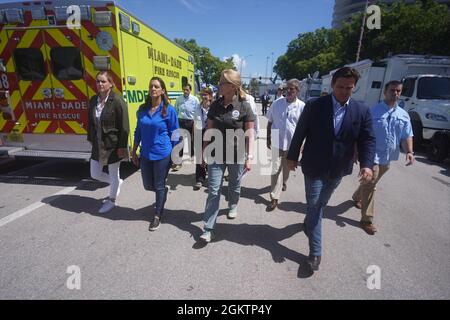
[{"x": 344, "y": 9}]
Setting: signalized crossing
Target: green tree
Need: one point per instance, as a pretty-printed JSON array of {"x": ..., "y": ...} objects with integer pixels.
[
  {"x": 311, "y": 51},
  {"x": 415, "y": 29},
  {"x": 208, "y": 65},
  {"x": 420, "y": 28}
]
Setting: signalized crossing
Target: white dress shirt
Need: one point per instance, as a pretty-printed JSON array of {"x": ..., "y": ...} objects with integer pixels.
[{"x": 284, "y": 118}]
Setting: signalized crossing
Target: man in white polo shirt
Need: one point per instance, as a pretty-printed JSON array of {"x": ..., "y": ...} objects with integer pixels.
[{"x": 283, "y": 116}]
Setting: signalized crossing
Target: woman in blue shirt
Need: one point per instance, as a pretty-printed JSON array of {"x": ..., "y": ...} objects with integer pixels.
[{"x": 156, "y": 122}]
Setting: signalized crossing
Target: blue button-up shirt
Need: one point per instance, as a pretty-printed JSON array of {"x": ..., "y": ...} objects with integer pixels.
[
  {"x": 390, "y": 125},
  {"x": 156, "y": 134},
  {"x": 186, "y": 107},
  {"x": 338, "y": 114}
]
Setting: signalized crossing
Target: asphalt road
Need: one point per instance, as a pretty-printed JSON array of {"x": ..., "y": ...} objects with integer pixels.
[{"x": 51, "y": 233}]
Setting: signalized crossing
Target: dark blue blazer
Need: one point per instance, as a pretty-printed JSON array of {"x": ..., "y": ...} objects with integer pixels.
[{"x": 326, "y": 154}]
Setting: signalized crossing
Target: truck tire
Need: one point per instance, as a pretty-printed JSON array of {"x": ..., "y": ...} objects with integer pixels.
[
  {"x": 417, "y": 129},
  {"x": 439, "y": 147}
]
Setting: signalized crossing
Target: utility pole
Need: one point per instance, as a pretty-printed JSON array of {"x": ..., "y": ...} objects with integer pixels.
[
  {"x": 362, "y": 31},
  {"x": 267, "y": 62}
]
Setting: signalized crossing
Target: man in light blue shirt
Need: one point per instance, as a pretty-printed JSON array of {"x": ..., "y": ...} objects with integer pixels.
[
  {"x": 186, "y": 106},
  {"x": 338, "y": 114},
  {"x": 392, "y": 128}
]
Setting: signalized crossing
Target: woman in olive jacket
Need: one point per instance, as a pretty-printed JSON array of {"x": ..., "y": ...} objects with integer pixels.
[{"x": 108, "y": 134}]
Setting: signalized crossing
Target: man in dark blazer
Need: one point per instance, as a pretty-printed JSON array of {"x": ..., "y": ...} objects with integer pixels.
[
  {"x": 265, "y": 101},
  {"x": 336, "y": 129}
]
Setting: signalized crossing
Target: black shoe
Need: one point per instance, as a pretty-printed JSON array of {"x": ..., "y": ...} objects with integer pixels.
[
  {"x": 166, "y": 191},
  {"x": 198, "y": 185},
  {"x": 155, "y": 224},
  {"x": 284, "y": 187},
  {"x": 313, "y": 262}
]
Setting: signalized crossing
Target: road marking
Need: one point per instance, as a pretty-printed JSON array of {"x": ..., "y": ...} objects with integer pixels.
[{"x": 31, "y": 207}]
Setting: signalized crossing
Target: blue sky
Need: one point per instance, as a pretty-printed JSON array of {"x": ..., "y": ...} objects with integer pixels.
[
  {"x": 236, "y": 27},
  {"x": 248, "y": 30}
]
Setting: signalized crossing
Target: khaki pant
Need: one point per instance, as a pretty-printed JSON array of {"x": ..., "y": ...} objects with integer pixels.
[
  {"x": 366, "y": 193},
  {"x": 280, "y": 173}
]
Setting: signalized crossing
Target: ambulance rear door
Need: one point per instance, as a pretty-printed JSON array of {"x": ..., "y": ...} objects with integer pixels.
[{"x": 50, "y": 77}]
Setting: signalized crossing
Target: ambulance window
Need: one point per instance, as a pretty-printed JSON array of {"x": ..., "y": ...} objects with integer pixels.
[
  {"x": 30, "y": 64},
  {"x": 66, "y": 63}
]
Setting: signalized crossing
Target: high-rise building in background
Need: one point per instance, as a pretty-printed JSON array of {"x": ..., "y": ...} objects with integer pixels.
[{"x": 344, "y": 9}]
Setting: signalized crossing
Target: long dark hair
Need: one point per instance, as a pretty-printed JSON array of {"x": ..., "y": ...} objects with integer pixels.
[{"x": 165, "y": 97}]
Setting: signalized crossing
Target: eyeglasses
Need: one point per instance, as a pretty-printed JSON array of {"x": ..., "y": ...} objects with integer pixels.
[{"x": 101, "y": 81}]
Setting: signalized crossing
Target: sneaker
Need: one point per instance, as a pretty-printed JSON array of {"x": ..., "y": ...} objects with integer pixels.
[
  {"x": 232, "y": 213},
  {"x": 207, "y": 236},
  {"x": 107, "y": 206},
  {"x": 154, "y": 224}
]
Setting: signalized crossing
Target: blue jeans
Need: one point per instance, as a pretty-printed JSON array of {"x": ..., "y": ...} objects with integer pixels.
[
  {"x": 318, "y": 192},
  {"x": 215, "y": 180},
  {"x": 154, "y": 175}
]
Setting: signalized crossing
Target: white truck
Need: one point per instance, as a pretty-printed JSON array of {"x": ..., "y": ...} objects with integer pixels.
[
  {"x": 310, "y": 88},
  {"x": 426, "y": 94}
]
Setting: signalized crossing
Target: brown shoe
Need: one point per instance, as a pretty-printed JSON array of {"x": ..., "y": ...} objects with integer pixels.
[
  {"x": 357, "y": 204},
  {"x": 368, "y": 227},
  {"x": 272, "y": 206},
  {"x": 284, "y": 187}
]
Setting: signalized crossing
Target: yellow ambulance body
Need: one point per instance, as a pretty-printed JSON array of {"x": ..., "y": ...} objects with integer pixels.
[{"x": 50, "y": 54}]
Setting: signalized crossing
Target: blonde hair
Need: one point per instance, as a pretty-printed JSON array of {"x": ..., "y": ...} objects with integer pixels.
[{"x": 233, "y": 77}]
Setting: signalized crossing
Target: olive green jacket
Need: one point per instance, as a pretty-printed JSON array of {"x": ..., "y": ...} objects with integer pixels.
[{"x": 115, "y": 128}]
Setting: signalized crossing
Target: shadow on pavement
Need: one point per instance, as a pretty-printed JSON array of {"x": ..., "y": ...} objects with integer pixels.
[
  {"x": 264, "y": 236},
  {"x": 332, "y": 213}
]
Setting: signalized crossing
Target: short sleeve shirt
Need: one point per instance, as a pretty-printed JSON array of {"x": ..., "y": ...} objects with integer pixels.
[{"x": 232, "y": 117}]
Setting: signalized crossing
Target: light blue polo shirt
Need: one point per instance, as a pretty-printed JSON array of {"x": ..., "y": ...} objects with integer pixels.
[
  {"x": 186, "y": 107},
  {"x": 390, "y": 127}
]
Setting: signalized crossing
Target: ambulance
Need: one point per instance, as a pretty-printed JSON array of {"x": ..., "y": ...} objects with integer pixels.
[{"x": 50, "y": 53}]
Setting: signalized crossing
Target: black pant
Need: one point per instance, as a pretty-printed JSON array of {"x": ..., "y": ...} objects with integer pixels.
[
  {"x": 200, "y": 173},
  {"x": 189, "y": 126},
  {"x": 264, "y": 109}
]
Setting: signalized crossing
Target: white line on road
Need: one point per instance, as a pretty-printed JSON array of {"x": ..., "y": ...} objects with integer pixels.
[{"x": 31, "y": 207}]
